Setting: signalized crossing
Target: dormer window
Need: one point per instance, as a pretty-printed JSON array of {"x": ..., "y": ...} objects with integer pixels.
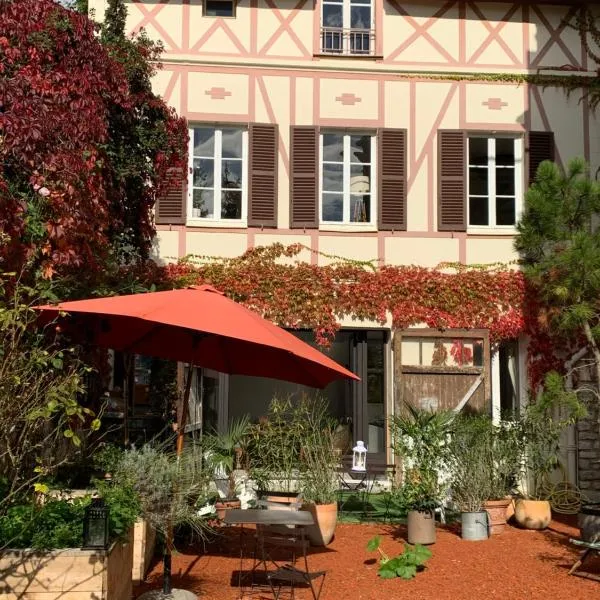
[{"x": 347, "y": 27}]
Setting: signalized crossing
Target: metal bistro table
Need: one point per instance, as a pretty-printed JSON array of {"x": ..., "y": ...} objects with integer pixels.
[{"x": 265, "y": 521}]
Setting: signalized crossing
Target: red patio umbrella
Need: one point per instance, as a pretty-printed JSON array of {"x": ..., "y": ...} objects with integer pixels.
[{"x": 201, "y": 326}]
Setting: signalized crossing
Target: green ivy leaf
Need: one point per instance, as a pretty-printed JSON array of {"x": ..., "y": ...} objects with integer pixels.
[{"x": 373, "y": 543}]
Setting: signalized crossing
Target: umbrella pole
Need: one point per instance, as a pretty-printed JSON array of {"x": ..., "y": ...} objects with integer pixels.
[
  {"x": 180, "y": 439},
  {"x": 184, "y": 411}
]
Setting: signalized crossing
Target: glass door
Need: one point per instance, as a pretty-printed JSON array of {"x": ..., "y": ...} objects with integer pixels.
[{"x": 368, "y": 397}]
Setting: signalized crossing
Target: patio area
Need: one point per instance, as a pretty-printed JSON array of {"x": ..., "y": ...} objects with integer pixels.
[{"x": 516, "y": 564}]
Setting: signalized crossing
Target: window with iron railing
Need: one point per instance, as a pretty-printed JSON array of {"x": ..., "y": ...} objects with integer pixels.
[{"x": 347, "y": 27}]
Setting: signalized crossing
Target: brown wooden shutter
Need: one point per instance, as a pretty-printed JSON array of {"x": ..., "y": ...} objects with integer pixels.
[
  {"x": 262, "y": 180},
  {"x": 391, "y": 161},
  {"x": 171, "y": 204},
  {"x": 304, "y": 177},
  {"x": 540, "y": 148},
  {"x": 452, "y": 181}
]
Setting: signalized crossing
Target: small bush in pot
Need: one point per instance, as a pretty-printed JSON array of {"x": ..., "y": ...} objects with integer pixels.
[
  {"x": 470, "y": 474},
  {"x": 223, "y": 452},
  {"x": 541, "y": 426},
  {"x": 169, "y": 489},
  {"x": 504, "y": 456},
  {"x": 318, "y": 461},
  {"x": 420, "y": 438},
  {"x": 273, "y": 449}
]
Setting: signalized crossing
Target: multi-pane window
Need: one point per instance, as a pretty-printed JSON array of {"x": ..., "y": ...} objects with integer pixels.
[
  {"x": 217, "y": 187},
  {"x": 347, "y": 27},
  {"x": 219, "y": 8},
  {"x": 494, "y": 180},
  {"x": 347, "y": 169}
]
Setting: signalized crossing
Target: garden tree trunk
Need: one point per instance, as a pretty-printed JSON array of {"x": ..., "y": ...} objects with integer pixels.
[
  {"x": 167, "y": 560},
  {"x": 180, "y": 439}
]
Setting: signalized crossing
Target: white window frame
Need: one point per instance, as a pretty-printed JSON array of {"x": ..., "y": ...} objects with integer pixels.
[
  {"x": 346, "y": 222},
  {"x": 491, "y": 168},
  {"x": 346, "y": 28},
  {"x": 217, "y": 221},
  {"x": 346, "y": 19}
]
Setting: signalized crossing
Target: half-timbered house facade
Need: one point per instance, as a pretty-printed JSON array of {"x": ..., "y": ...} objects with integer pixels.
[{"x": 401, "y": 131}]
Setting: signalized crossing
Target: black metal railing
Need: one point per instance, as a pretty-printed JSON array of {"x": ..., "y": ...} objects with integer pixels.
[{"x": 337, "y": 40}]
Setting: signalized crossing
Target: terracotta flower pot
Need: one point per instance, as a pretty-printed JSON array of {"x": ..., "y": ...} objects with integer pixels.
[
  {"x": 221, "y": 506},
  {"x": 325, "y": 517},
  {"x": 421, "y": 527},
  {"x": 497, "y": 513},
  {"x": 533, "y": 514}
]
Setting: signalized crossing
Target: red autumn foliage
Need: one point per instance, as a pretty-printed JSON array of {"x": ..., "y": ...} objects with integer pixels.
[
  {"x": 58, "y": 84},
  {"x": 298, "y": 294}
]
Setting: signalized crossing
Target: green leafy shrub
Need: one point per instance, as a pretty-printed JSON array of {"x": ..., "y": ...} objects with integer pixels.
[
  {"x": 405, "y": 565},
  {"x": 124, "y": 508},
  {"x": 53, "y": 525},
  {"x": 58, "y": 523},
  {"x": 420, "y": 438}
]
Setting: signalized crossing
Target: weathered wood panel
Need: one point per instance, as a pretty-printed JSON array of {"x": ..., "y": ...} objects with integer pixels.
[
  {"x": 144, "y": 541},
  {"x": 70, "y": 574},
  {"x": 442, "y": 391},
  {"x": 441, "y": 387}
]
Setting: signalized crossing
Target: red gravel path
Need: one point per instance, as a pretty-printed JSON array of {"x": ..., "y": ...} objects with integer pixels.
[{"x": 516, "y": 565}]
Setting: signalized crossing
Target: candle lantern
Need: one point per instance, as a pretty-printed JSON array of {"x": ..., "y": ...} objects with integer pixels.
[
  {"x": 359, "y": 457},
  {"x": 95, "y": 525}
]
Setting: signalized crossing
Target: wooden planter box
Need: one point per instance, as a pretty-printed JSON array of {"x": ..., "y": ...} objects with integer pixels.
[
  {"x": 70, "y": 574},
  {"x": 144, "y": 542}
]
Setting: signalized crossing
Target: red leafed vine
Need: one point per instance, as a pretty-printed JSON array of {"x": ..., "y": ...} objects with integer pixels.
[{"x": 296, "y": 294}]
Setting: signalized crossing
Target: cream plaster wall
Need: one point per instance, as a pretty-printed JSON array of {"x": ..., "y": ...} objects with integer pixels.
[
  {"x": 421, "y": 251},
  {"x": 225, "y": 244},
  {"x": 490, "y": 250},
  {"x": 235, "y": 87},
  {"x": 501, "y": 104},
  {"x": 362, "y": 100},
  {"x": 166, "y": 246},
  {"x": 354, "y": 247}
]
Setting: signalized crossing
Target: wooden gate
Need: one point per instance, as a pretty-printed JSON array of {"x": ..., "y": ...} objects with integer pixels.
[{"x": 443, "y": 370}]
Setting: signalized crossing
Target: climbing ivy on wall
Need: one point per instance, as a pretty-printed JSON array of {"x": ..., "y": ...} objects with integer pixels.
[{"x": 296, "y": 294}]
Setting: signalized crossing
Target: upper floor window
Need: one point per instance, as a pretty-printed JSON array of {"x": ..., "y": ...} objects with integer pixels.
[
  {"x": 217, "y": 187},
  {"x": 219, "y": 8},
  {"x": 347, "y": 27},
  {"x": 347, "y": 169},
  {"x": 494, "y": 181}
]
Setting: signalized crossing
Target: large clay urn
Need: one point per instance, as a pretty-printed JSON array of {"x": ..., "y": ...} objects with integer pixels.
[
  {"x": 325, "y": 518},
  {"x": 533, "y": 514},
  {"x": 222, "y": 506}
]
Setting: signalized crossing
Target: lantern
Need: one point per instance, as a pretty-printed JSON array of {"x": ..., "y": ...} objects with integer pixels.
[
  {"x": 359, "y": 457},
  {"x": 95, "y": 525}
]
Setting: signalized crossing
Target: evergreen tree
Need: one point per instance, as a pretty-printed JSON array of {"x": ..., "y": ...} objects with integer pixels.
[
  {"x": 559, "y": 243},
  {"x": 114, "y": 20}
]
